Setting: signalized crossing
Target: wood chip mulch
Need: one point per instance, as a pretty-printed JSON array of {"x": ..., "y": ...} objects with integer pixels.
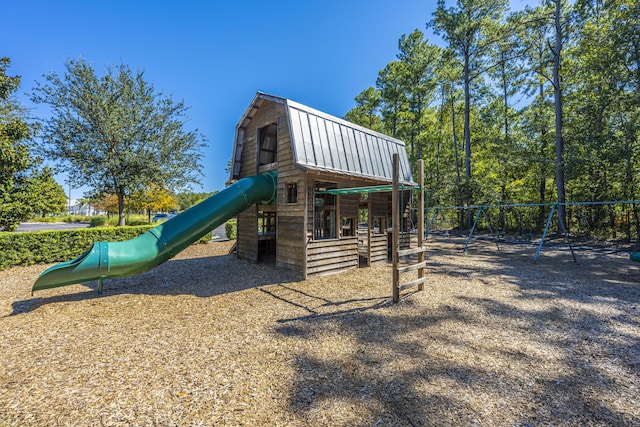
[{"x": 207, "y": 339}]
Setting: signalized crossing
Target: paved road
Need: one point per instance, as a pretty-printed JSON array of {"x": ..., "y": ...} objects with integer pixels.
[{"x": 38, "y": 226}]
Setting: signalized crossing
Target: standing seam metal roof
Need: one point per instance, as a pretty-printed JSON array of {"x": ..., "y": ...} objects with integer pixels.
[{"x": 326, "y": 143}]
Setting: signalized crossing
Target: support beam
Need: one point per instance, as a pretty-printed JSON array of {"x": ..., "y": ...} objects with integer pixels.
[
  {"x": 395, "y": 230},
  {"x": 421, "y": 261}
]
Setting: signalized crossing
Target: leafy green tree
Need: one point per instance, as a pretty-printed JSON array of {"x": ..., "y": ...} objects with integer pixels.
[
  {"x": 469, "y": 29},
  {"x": 47, "y": 195},
  {"x": 447, "y": 150},
  {"x": 500, "y": 154},
  {"x": 115, "y": 133},
  {"x": 155, "y": 198},
  {"x": 365, "y": 112},
  {"x": 185, "y": 200},
  {"x": 16, "y": 163},
  {"x": 393, "y": 100},
  {"x": 560, "y": 22},
  {"x": 419, "y": 60},
  {"x": 536, "y": 118}
]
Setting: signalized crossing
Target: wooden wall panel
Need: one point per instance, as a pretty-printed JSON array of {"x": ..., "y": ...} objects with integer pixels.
[
  {"x": 349, "y": 205},
  {"x": 248, "y": 234},
  {"x": 331, "y": 256},
  {"x": 379, "y": 244},
  {"x": 290, "y": 240},
  {"x": 380, "y": 204}
]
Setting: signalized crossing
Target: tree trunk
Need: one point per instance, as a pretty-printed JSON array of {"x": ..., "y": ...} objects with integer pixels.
[
  {"x": 557, "y": 95},
  {"x": 467, "y": 137},
  {"x": 542, "y": 189},
  {"x": 467, "y": 119},
  {"x": 456, "y": 156},
  {"x": 121, "y": 220}
]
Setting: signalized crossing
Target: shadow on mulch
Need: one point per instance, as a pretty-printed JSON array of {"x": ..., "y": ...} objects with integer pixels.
[
  {"x": 201, "y": 277},
  {"x": 599, "y": 350}
]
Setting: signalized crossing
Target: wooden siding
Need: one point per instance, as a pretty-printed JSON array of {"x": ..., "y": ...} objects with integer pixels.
[
  {"x": 290, "y": 243},
  {"x": 380, "y": 204},
  {"x": 247, "y": 239},
  {"x": 335, "y": 255},
  {"x": 379, "y": 245},
  {"x": 331, "y": 256},
  {"x": 266, "y": 114},
  {"x": 290, "y": 230},
  {"x": 349, "y": 206}
]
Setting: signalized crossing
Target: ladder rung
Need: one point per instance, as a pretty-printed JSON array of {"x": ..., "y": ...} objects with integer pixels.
[
  {"x": 413, "y": 283},
  {"x": 405, "y": 252},
  {"x": 412, "y": 267}
]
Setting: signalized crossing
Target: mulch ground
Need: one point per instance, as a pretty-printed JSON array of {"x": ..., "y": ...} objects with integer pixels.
[{"x": 207, "y": 339}]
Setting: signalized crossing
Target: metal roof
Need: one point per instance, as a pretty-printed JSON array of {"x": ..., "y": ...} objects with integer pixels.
[{"x": 326, "y": 143}]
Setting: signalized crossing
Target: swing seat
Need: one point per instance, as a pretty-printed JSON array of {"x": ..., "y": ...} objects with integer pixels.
[{"x": 634, "y": 256}]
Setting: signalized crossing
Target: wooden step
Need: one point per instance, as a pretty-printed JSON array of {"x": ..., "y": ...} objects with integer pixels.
[
  {"x": 412, "y": 267},
  {"x": 413, "y": 283},
  {"x": 412, "y": 251}
]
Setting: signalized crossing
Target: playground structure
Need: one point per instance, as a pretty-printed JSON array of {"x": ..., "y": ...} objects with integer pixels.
[
  {"x": 312, "y": 193},
  {"x": 526, "y": 231},
  {"x": 333, "y": 203}
]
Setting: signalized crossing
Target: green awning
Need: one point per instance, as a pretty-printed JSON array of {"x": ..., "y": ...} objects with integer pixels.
[{"x": 360, "y": 190}]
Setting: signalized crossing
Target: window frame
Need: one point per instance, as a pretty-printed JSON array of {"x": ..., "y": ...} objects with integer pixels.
[
  {"x": 269, "y": 134},
  {"x": 325, "y": 224}
]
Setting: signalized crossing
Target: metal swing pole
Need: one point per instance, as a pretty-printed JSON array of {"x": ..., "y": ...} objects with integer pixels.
[
  {"x": 546, "y": 229},
  {"x": 473, "y": 228},
  {"x": 544, "y": 233},
  {"x": 566, "y": 236},
  {"x": 430, "y": 223},
  {"x": 495, "y": 239}
]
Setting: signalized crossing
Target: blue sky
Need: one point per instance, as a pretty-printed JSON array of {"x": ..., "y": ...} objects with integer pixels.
[{"x": 215, "y": 55}]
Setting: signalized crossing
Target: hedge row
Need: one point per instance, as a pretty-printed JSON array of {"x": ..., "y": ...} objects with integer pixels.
[
  {"x": 44, "y": 247},
  {"x": 231, "y": 229}
]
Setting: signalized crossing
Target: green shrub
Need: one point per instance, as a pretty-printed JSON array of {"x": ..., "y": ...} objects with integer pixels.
[
  {"x": 44, "y": 247},
  {"x": 231, "y": 229},
  {"x": 62, "y": 218},
  {"x": 98, "y": 221},
  {"x": 131, "y": 220}
]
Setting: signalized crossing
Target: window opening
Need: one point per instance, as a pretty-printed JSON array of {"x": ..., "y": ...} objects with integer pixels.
[
  {"x": 324, "y": 213},
  {"x": 268, "y": 137},
  {"x": 379, "y": 224},
  {"x": 348, "y": 227},
  {"x": 266, "y": 223},
  {"x": 292, "y": 192}
]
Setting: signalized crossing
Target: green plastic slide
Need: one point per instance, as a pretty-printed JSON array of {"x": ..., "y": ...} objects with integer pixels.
[{"x": 117, "y": 259}]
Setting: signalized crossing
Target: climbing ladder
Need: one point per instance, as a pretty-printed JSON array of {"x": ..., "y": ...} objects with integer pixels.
[{"x": 397, "y": 252}]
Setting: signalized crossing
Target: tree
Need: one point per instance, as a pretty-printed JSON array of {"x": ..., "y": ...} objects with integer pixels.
[
  {"x": 559, "y": 24},
  {"x": 115, "y": 133},
  {"x": 16, "y": 163},
  {"x": 419, "y": 60},
  {"x": 47, "y": 195},
  {"x": 105, "y": 203},
  {"x": 393, "y": 100},
  {"x": 187, "y": 199},
  {"x": 153, "y": 199},
  {"x": 537, "y": 117},
  {"x": 365, "y": 112},
  {"x": 466, "y": 29}
]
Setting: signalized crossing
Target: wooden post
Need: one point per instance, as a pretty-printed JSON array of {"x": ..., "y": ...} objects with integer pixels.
[
  {"x": 421, "y": 220},
  {"x": 395, "y": 231}
]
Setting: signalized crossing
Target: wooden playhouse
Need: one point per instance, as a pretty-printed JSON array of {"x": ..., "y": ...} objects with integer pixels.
[{"x": 333, "y": 204}]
